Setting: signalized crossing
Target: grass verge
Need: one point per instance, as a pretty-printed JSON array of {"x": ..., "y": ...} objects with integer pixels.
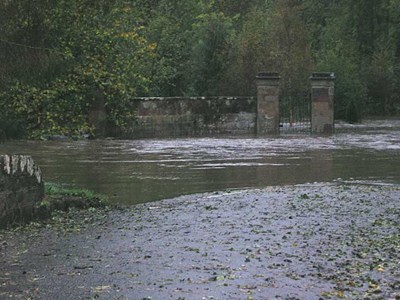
[{"x": 58, "y": 197}]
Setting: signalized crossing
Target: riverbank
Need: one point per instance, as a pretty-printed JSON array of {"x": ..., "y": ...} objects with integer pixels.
[{"x": 325, "y": 241}]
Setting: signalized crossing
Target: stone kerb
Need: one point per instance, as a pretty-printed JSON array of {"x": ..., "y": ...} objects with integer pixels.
[
  {"x": 268, "y": 91},
  {"x": 21, "y": 189},
  {"x": 322, "y": 103}
]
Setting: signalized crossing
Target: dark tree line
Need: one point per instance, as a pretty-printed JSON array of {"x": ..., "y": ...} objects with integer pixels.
[{"x": 58, "y": 56}]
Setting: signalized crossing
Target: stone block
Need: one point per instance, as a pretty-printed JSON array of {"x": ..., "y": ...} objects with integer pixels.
[
  {"x": 268, "y": 91},
  {"x": 21, "y": 189},
  {"x": 320, "y": 94},
  {"x": 322, "y": 99}
]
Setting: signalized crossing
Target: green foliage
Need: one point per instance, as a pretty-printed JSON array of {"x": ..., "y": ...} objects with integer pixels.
[
  {"x": 350, "y": 92},
  {"x": 53, "y": 189},
  {"x": 291, "y": 55},
  {"x": 359, "y": 46},
  {"x": 381, "y": 79},
  {"x": 60, "y": 59},
  {"x": 59, "y": 108},
  {"x": 105, "y": 55},
  {"x": 213, "y": 37},
  {"x": 169, "y": 29},
  {"x": 252, "y": 45}
]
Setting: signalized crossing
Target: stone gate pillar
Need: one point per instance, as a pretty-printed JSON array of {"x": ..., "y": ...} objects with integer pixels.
[
  {"x": 268, "y": 90},
  {"x": 322, "y": 93}
]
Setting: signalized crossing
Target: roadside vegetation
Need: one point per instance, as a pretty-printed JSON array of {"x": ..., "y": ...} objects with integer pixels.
[
  {"x": 63, "y": 59},
  {"x": 55, "y": 190},
  {"x": 59, "y": 199}
]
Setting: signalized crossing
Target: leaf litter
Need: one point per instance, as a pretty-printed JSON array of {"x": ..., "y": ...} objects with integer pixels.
[{"x": 333, "y": 241}]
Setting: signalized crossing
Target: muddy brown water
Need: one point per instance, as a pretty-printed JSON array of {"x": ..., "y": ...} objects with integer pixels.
[{"x": 138, "y": 171}]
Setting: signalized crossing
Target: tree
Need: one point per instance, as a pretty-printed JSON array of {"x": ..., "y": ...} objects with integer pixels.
[
  {"x": 107, "y": 59},
  {"x": 169, "y": 28},
  {"x": 212, "y": 40},
  {"x": 61, "y": 59},
  {"x": 291, "y": 49}
]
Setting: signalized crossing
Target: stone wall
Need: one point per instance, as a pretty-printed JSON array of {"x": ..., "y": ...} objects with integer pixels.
[
  {"x": 154, "y": 117},
  {"x": 191, "y": 116},
  {"x": 21, "y": 189}
]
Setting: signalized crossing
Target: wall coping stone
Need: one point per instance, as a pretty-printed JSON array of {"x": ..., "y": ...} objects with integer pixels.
[
  {"x": 268, "y": 76},
  {"x": 20, "y": 164},
  {"x": 323, "y": 76},
  {"x": 215, "y": 98}
]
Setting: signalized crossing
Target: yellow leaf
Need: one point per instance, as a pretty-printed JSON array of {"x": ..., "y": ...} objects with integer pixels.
[
  {"x": 340, "y": 294},
  {"x": 380, "y": 268},
  {"x": 101, "y": 288}
]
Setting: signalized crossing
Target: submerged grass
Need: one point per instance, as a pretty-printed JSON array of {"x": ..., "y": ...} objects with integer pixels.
[
  {"x": 54, "y": 189},
  {"x": 62, "y": 202},
  {"x": 58, "y": 197}
]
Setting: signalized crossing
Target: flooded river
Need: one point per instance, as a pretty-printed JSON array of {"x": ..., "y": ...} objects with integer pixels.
[{"x": 137, "y": 171}]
